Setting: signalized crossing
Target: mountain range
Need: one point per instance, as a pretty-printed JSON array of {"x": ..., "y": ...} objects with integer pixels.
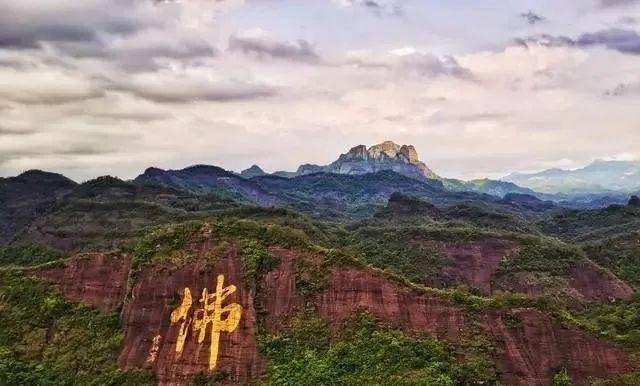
[
  {"x": 370, "y": 270},
  {"x": 598, "y": 177}
]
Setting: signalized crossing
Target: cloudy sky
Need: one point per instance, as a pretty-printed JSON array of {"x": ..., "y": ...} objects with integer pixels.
[{"x": 481, "y": 88}]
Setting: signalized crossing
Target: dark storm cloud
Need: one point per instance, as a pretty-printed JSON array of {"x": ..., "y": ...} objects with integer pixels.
[
  {"x": 532, "y": 18},
  {"x": 621, "y": 40},
  {"x": 263, "y": 47}
]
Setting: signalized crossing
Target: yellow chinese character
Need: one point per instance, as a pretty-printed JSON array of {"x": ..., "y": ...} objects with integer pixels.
[
  {"x": 179, "y": 314},
  {"x": 211, "y": 312}
]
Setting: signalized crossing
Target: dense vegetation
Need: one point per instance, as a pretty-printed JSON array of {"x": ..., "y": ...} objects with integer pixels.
[
  {"x": 27, "y": 254},
  {"x": 619, "y": 322},
  {"x": 364, "y": 353},
  {"x": 621, "y": 254},
  {"x": 45, "y": 340}
]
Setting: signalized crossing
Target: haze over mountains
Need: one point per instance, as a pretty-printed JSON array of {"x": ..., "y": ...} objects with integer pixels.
[
  {"x": 382, "y": 169},
  {"x": 598, "y": 177}
]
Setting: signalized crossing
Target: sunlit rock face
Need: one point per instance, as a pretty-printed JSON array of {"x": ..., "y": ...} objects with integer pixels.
[{"x": 384, "y": 156}]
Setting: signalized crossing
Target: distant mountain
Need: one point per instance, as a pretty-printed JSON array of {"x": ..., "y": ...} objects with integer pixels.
[
  {"x": 28, "y": 196},
  {"x": 324, "y": 194},
  {"x": 362, "y": 160},
  {"x": 404, "y": 160},
  {"x": 359, "y": 195},
  {"x": 487, "y": 186},
  {"x": 203, "y": 179},
  {"x": 253, "y": 171},
  {"x": 598, "y": 177}
]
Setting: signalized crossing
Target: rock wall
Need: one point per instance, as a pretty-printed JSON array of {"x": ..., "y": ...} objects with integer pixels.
[
  {"x": 529, "y": 352},
  {"x": 475, "y": 263},
  {"x": 147, "y": 316},
  {"x": 96, "y": 279},
  {"x": 537, "y": 347},
  {"x": 586, "y": 282}
]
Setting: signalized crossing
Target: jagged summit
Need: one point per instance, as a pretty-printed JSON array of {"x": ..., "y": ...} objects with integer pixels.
[
  {"x": 388, "y": 155},
  {"x": 386, "y": 149}
]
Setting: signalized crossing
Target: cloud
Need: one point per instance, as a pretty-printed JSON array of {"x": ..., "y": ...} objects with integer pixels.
[
  {"x": 424, "y": 64},
  {"x": 47, "y": 86},
  {"x": 376, "y": 7},
  {"x": 65, "y": 21},
  {"x": 260, "y": 44},
  {"x": 625, "y": 41},
  {"x": 130, "y": 33},
  {"x": 408, "y": 61},
  {"x": 8, "y": 130},
  {"x": 532, "y": 18},
  {"x": 628, "y": 21},
  {"x": 623, "y": 89},
  {"x": 621, "y": 40},
  {"x": 616, "y": 3},
  {"x": 192, "y": 86}
]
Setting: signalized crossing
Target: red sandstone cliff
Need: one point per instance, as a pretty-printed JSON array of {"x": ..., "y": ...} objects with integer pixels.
[
  {"x": 97, "y": 279},
  {"x": 528, "y": 353}
]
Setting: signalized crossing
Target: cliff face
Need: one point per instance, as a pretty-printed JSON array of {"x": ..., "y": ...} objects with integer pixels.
[
  {"x": 384, "y": 156},
  {"x": 584, "y": 283},
  {"x": 528, "y": 351},
  {"x": 475, "y": 264},
  {"x": 96, "y": 279}
]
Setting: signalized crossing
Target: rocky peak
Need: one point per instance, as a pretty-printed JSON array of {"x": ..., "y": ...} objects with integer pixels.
[
  {"x": 410, "y": 153},
  {"x": 387, "y": 148},
  {"x": 253, "y": 171},
  {"x": 357, "y": 152}
]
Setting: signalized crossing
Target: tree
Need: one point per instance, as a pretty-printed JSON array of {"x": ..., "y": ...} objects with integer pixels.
[
  {"x": 561, "y": 379},
  {"x": 634, "y": 201}
]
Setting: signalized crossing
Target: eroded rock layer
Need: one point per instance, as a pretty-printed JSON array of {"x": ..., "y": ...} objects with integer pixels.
[{"x": 528, "y": 351}]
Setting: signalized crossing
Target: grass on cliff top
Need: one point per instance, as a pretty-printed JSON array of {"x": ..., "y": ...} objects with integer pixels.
[
  {"x": 415, "y": 252},
  {"x": 365, "y": 353},
  {"x": 45, "y": 340},
  {"x": 26, "y": 254},
  {"x": 620, "y": 254},
  {"x": 619, "y": 322},
  {"x": 369, "y": 248},
  {"x": 254, "y": 237}
]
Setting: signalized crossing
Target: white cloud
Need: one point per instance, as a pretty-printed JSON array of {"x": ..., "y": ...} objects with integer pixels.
[{"x": 168, "y": 92}]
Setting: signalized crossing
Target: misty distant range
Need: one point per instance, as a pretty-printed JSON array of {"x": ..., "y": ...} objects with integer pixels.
[
  {"x": 600, "y": 177},
  {"x": 364, "y": 177},
  {"x": 597, "y": 184}
]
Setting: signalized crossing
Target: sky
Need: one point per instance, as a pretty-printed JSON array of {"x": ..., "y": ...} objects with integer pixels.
[{"x": 480, "y": 88}]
